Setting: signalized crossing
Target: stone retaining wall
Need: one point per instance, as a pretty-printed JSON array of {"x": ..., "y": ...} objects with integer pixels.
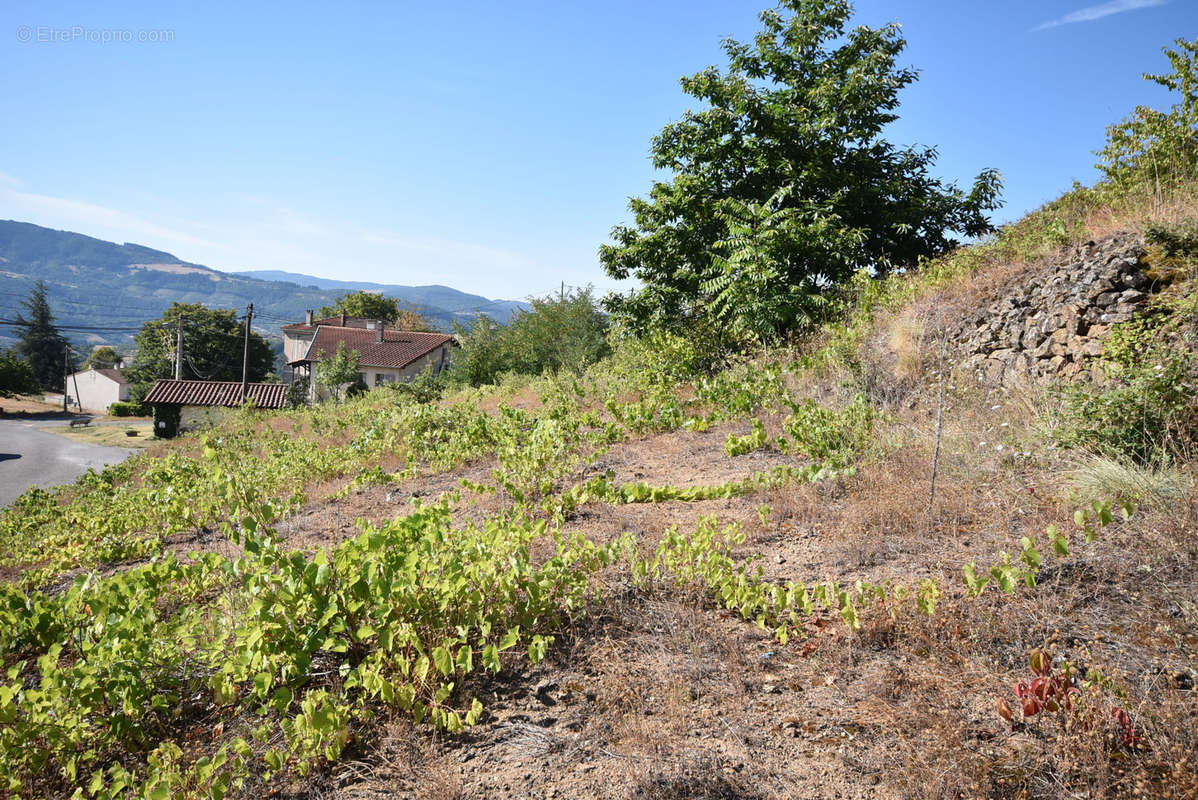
[{"x": 1052, "y": 323}]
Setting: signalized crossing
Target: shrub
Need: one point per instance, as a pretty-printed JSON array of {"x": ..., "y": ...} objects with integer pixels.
[
  {"x": 832, "y": 436},
  {"x": 1147, "y": 414},
  {"x": 297, "y": 392},
  {"x": 120, "y": 409}
]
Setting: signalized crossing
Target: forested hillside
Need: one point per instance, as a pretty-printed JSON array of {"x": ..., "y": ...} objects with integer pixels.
[
  {"x": 107, "y": 291},
  {"x": 839, "y": 508}
]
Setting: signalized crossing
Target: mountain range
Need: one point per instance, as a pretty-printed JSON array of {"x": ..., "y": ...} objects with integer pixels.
[{"x": 101, "y": 292}]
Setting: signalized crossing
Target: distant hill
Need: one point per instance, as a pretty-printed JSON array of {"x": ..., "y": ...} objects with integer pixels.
[
  {"x": 434, "y": 296},
  {"x": 107, "y": 289}
]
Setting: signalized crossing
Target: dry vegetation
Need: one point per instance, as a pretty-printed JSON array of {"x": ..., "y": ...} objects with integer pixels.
[{"x": 657, "y": 692}]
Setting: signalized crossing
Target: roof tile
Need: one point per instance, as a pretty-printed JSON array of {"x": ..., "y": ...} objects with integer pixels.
[
  {"x": 217, "y": 393},
  {"x": 397, "y": 350}
]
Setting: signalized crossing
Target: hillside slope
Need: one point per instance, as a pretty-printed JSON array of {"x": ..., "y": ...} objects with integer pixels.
[
  {"x": 99, "y": 285},
  {"x": 861, "y": 568}
]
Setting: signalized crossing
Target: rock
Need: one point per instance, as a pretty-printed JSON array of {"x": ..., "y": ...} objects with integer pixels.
[{"x": 1055, "y": 318}]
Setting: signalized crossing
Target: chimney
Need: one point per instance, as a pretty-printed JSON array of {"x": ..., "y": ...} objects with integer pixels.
[
  {"x": 308, "y": 317},
  {"x": 382, "y": 324},
  {"x": 342, "y": 319}
]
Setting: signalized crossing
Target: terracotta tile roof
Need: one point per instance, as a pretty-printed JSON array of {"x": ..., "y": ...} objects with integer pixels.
[
  {"x": 397, "y": 350},
  {"x": 217, "y": 393}
]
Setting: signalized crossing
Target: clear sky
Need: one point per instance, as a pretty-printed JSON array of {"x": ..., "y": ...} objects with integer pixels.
[{"x": 487, "y": 146}]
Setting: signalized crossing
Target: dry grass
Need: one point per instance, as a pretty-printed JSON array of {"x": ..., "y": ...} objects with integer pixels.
[{"x": 108, "y": 435}]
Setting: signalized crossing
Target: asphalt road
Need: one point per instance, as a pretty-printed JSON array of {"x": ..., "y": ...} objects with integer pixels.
[{"x": 29, "y": 457}]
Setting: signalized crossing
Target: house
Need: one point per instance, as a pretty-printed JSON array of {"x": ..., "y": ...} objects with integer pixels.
[
  {"x": 181, "y": 406},
  {"x": 96, "y": 389},
  {"x": 385, "y": 354}
]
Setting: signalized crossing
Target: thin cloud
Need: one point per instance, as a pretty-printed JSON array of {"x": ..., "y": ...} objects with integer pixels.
[
  {"x": 97, "y": 220},
  {"x": 1091, "y": 13}
]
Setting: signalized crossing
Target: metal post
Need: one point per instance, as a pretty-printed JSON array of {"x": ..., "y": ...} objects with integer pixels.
[
  {"x": 66, "y": 365},
  {"x": 245, "y": 358}
]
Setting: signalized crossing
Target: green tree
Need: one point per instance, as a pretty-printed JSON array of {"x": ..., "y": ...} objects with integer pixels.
[
  {"x": 566, "y": 331},
  {"x": 801, "y": 108},
  {"x": 103, "y": 357},
  {"x": 339, "y": 372},
  {"x": 16, "y": 375},
  {"x": 40, "y": 343},
  {"x": 482, "y": 356},
  {"x": 749, "y": 292},
  {"x": 373, "y": 305},
  {"x": 213, "y": 344},
  {"x": 1156, "y": 148}
]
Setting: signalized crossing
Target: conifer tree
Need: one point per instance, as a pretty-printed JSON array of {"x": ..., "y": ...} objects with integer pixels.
[{"x": 40, "y": 342}]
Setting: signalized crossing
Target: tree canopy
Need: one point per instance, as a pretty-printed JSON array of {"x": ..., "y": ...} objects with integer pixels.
[
  {"x": 40, "y": 343},
  {"x": 213, "y": 343},
  {"x": 16, "y": 375},
  {"x": 337, "y": 372},
  {"x": 102, "y": 357},
  {"x": 373, "y": 305},
  {"x": 1158, "y": 148},
  {"x": 564, "y": 331},
  {"x": 786, "y": 159}
]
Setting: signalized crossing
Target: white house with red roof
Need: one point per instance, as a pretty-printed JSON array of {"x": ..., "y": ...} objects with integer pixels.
[
  {"x": 385, "y": 354},
  {"x": 97, "y": 389}
]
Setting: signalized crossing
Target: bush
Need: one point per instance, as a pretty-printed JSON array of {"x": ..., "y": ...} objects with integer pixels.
[
  {"x": 1147, "y": 414},
  {"x": 424, "y": 388},
  {"x": 297, "y": 392},
  {"x": 121, "y": 409},
  {"x": 831, "y": 436},
  {"x": 567, "y": 332}
]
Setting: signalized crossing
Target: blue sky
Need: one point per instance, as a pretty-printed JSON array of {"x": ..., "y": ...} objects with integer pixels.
[{"x": 487, "y": 146}]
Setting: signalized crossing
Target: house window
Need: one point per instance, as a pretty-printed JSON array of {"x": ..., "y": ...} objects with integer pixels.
[{"x": 383, "y": 377}]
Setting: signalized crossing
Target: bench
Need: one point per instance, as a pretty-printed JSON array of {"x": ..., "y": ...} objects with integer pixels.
[{"x": 84, "y": 421}]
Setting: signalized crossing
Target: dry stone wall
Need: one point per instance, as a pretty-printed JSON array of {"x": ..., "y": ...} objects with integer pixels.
[{"x": 1052, "y": 324}]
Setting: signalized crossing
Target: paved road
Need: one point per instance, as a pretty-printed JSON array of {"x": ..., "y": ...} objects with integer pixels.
[{"x": 29, "y": 457}]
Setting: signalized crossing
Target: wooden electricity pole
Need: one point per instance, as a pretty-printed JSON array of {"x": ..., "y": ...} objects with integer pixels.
[{"x": 245, "y": 357}]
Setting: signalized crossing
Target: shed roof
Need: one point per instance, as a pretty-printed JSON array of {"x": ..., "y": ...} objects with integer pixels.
[
  {"x": 217, "y": 393},
  {"x": 397, "y": 350}
]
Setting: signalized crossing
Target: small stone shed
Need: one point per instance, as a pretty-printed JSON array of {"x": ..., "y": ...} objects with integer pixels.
[{"x": 181, "y": 406}]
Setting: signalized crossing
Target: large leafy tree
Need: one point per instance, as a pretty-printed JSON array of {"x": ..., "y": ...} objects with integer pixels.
[
  {"x": 373, "y": 305},
  {"x": 40, "y": 342},
  {"x": 213, "y": 344},
  {"x": 799, "y": 109}
]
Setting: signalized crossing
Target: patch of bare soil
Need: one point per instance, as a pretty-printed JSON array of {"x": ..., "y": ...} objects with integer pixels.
[
  {"x": 688, "y": 458},
  {"x": 653, "y": 697}
]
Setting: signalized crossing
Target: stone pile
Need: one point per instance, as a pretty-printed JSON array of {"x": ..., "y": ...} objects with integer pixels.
[{"x": 1053, "y": 323}]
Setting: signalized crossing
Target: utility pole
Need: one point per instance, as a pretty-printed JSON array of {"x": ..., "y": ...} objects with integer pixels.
[
  {"x": 66, "y": 371},
  {"x": 245, "y": 357},
  {"x": 179, "y": 350},
  {"x": 78, "y": 399}
]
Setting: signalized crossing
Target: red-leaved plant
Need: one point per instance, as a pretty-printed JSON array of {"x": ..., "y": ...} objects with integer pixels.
[{"x": 1054, "y": 691}]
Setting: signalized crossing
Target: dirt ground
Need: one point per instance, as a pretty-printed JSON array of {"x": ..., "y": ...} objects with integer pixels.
[{"x": 657, "y": 694}]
